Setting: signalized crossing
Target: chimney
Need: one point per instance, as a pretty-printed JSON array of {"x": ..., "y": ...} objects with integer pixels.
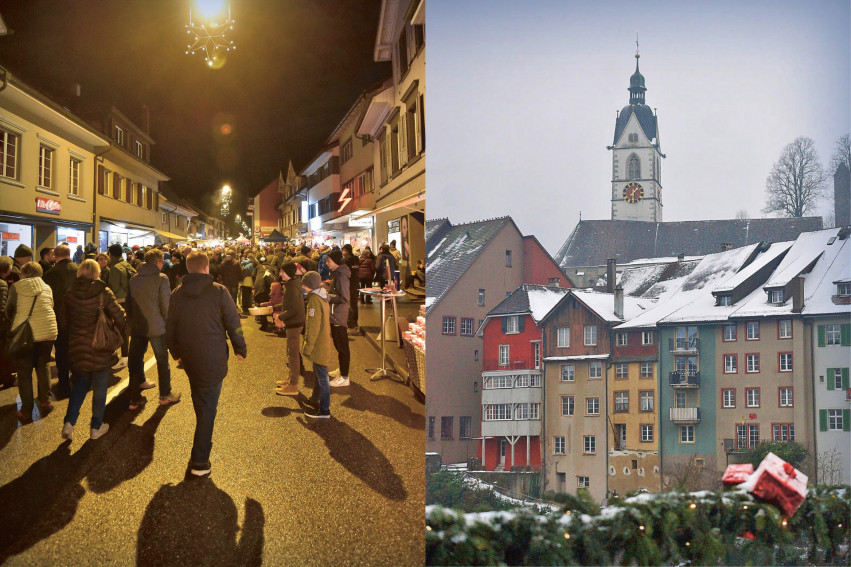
[
  {"x": 619, "y": 302},
  {"x": 611, "y": 274},
  {"x": 726, "y": 246},
  {"x": 681, "y": 257},
  {"x": 797, "y": 289}
]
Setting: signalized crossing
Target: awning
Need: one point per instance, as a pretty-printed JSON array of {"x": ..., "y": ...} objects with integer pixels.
[
  {"x": 170, "y": 234},
  {"x": 395, "y": 205},
  {"x": 125, "y": 224}
]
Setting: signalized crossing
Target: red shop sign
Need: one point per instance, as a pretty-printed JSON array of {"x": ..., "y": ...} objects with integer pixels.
[
  {"x": 44, "y": 205},
  {"x": 11, "y": 236},
  {"x": 71, "y": 239}
]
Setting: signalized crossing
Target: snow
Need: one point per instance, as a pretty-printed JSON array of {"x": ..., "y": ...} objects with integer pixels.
[
  {"x": 760, "y": 262},
  {"x": 603, "y": 304},
  {"x": 541, "y": 301},
  {"x": 429, "y": 301},
  {"x": 578, "y": 357}
]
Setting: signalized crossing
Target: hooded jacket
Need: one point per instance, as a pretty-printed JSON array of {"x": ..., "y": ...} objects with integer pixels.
[
  {"x": 201, "y": 319},
  {"x": 79, "y": 316},
  {"x": 340, "y": 295},
  {"x": 20, "y": 300},
  {"x": 119, "y": 276},
  {"x": 317, "y": 345},
  {"x": 148, "y": 307}
]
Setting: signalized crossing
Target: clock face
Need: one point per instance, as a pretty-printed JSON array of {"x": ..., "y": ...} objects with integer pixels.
[{"x": 633, "y": 192}]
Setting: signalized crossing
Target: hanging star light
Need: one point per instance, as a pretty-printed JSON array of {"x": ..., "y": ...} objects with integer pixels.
[{"x": 210, "y": 38}]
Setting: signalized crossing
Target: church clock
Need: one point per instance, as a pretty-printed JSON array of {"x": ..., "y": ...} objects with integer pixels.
[{"x": 633, "y": 192}]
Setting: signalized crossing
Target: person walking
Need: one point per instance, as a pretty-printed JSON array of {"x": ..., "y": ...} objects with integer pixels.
[
  {"x": 292, "y": 316},
  {"x": 60, "y": 278},
  {"x": 366, "y": 273},
  {"x": 89, "y": 366},
  {"x": 316, "y": 345},
  {"x": 200, "y": 320},
  {"x": 339, "y": 298},
  {"x": 31, "y": 299},
  {"x": 147, "y": 311},
  {"x": 118, "y": 280},
  {"x": 231, "y": 273}
]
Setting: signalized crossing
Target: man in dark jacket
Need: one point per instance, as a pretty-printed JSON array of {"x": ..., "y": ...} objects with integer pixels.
[
  {"x": 231, "y": 274},
  {"x": 339, "y": 297},
  {"x": 353, "y": 262},
  {"x": 60, "y": 278},
  {"x": 118, "y": 280},
  {"x": 147, "y": 311},
  {"x": 305, "y": 260},
  {"x": 292, "y": 316},
  {"x": 201, "y": 318}
]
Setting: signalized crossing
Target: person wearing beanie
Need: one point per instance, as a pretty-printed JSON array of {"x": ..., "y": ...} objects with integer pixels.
[
  {"x": 316, "y": 344},
  {"x": 340, "y": 299},
  {"x": 292, "y": 316},
  {"x": 23, "y": 255}
]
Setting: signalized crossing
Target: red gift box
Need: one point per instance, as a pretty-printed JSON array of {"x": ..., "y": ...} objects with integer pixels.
[
  {"x": 777, "y": 482},
  {"x": 736, "y": 474}
]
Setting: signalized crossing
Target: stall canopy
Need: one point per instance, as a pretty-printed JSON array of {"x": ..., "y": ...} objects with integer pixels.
[
  {"x": 275, "y": 236},
  {"x": 169, "y": 234}
]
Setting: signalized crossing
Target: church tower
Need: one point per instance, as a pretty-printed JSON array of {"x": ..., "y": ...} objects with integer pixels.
[{"x": 636, "y": 158}]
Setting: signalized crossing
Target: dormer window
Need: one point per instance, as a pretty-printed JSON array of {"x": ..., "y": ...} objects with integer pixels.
[
  {"x": 511, "y": 325},
  {"x": 724, "y": 300},
  {"x": 119, "y": 136},
  {"x": 775, "y": 296},
  {"x": 843, "y": 289}
]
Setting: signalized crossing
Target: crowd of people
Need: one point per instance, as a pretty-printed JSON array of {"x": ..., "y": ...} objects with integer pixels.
[{"x": 182, "y": 301}]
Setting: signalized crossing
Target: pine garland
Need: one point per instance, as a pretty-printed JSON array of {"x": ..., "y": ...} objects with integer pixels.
[{"x": 698, "y": 528}]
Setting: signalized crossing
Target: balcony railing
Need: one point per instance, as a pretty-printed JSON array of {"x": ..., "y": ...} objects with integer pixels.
[
  {"x": 685, "y": 415},
  {"x": 516, "y": 363},
  {"x": 684, "y": 344},
  {"x": 685, "y": 379}
]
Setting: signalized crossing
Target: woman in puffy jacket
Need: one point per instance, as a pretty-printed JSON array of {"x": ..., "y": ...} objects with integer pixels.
[
  {"x": 32, "y": 294},
  {"x": 366, "y": 273},
  {"x": 89, "y": 367}
]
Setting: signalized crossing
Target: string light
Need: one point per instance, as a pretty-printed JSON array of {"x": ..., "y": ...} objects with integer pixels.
[
  {"x": 210, "y": 39},
  {"x": 784, "y": 521},
  {"x": 745, "y": 506},
  {"x": 692, "y": 505},
  {"x": 566, "y": 535},
  {"x": 641, "y": 528},
  {"x": 428, "y": 528}
]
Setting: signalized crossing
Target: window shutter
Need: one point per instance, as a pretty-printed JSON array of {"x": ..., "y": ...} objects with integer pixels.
[
  {"x": 822, "y": 420},
  {"x": 821, "y": 341},
  {"x": 845, "y": 335},
  {"x": 831, "y": 380},
  {"x": 846, "y": 420},
  {"x": 504, "y": 321},
  {"x": 845, "y": 381},
  {"x": 403, "y": 138},
  {"x": 522, "y": 323},
  {"x": 101, "y": 180},
  {"x": 116, "y": 185}
]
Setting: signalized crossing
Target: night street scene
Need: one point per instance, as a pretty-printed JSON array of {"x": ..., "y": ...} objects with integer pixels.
[
  {"x": 212, "y": 282},
  {"x": 621, "y": 374}
]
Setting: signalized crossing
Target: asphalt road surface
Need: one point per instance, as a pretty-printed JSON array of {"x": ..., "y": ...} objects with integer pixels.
[{"x": 284, "y": 489}]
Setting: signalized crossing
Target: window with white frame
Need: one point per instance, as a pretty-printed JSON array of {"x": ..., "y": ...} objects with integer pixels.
[
  {"x": 621, "y": 402},
  {"x": 589, "y": 444},
  {"x": 522, "y": 381},
  {"x": 647, "y": 370},
  {"x": 499, "y": 381},
  {"x": 753, "y": 330},
  {"x": 558, "y": 445},
  {"x": 595, "y": 369},
  {"x": 729, "y": 332},
  {"x": 620, "y": 435},
  {"x": 534, "y": 380},
  {"x": 687, "y": 434},
  {"x": 834, "y": 420},
  {"x": 775, "y": 296},
  {"x": 8, "y": 154},
  {"x": 646, "y": 433},
  {"x": 784, "y": 329},
  {"x": 567, "y": 372},
  {"x": 563, "y": 337},
  {"x": 508, "y": 258},
  {"x": 590, "y": 335},
  {"x": 783, "y": 431},
  {"x": 467, "y": 326},
  {"x": 731, "y": 364},
  {"x": 592, "y": 406},
  {"x": 140, "y": 149},
  {"x": 583, "y": 482},
  {"x": 752, "y": 397},
  {"x": 481, "y": 297},
  {"x": 74, "y": 177},
  {"x": 621, "y": 370},
  {"x": 536, "y": 353},
  {"x": 621, "y": 339},
  {"x": 45, "y": 167},
  {"x": 785, "y": 361},
  {"x": 725, "y": 300},
  {"x": 521, "y": 411},
  {"x": 503, "y": 355},
  {"x": 843, "y": 288},
  {"x": 512, "y": 325},
  {"x": 347, "y": 151},
  {"x": 752, "y": 362},
  {"x": 119, "y": 135},
  {"x": 837, "y": 378},
  {"x": 567, "y": 406},
  {"x": 646, "y": 400},
  {"x": 833, "y": 335},
  {"x": 498, "y": 412},
  {"x": 647, "y": 337},
  {"x": 534, "y": 410},
  {"x": 448, "y": 325},
  {"x": 785, "y": 395},
  {"x": 728, "y": 398}
]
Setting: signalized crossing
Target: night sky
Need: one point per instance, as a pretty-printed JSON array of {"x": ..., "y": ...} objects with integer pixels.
[{"x": 298, "y": 67}]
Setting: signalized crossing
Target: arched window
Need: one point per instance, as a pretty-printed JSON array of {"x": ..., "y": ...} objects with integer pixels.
[{"x": 634, "y": 167}]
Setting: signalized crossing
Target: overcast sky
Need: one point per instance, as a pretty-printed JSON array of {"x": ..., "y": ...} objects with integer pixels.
[{"x": 522, "y": 99}]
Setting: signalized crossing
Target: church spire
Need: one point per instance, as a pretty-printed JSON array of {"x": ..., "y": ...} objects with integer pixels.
[{"x": 636, "y": 81}]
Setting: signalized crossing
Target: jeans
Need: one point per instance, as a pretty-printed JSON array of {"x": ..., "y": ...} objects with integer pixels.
[
  {"x": 293, "y": 355},
  {"x": 136, "y": 364},
  {"x": 205, "y": 400},
  {"x": 340, "y": 335},
  {"x": 61, "y": 346},
  {"x": 82, "y": 381},
  {"x": 323, "y": 386},
  {"x": 36, "y": 360}
]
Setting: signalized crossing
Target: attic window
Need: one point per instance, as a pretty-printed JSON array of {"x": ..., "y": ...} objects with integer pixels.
[
  {"x": 725, "y": 300},
  {"x": 843, "y": 289},
  {"x": 775, "y": 296},
  {"x": 831, "y": 241},
  {"x": 633, "y": 138}
]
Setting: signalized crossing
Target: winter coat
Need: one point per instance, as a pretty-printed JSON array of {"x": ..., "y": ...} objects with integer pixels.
[
  {"x": 230, "y": 273},
  {"x": 317, "y": 346},
  {"x": 247, "y": 273},
  {"x": 119, "y": 276},
  {"x": 4, "y": 296},
  {"x": 292, "y": 314},
  {"x": 19, "y": 302},
  {"x": 323, "y": 269},
  {"x": 176, "y": 273},
  {"x": 354, "y": 266},
  {"x": 60, "y": 278},
  {"x": 308, "y": 264},
  {"x": 201, "y": 319},
  {"x": 381, "y": 271},
  {"x": 79, "y": 316},
  {"x": 366, "y": 267},
  {"x": 262, "y": 283},
  {"x": 276, "y": 296},
  {"x": 147, "y": 306},
  {"x": 340, "y": 296}
]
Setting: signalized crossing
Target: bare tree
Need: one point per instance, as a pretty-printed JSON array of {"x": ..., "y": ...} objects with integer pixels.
[
  {"x": 742, "y": 214},
  {"x": 796, "y": 180},
  {"x": 841, "y": 153}
]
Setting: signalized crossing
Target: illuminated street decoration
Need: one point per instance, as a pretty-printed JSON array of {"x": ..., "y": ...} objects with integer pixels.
[
  {"x": 226, "y": 198},
  {"x": 210, "y": 34}
]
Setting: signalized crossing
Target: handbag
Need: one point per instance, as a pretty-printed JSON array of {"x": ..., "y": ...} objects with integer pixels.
[
  {"x": 21, "y": 340},
  {"x": 107, "y": 337}
]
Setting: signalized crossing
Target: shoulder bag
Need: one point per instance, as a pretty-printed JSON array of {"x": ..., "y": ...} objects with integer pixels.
[
  {"x": 107, "y": 337},
  {"x": 21, "y": 340}
]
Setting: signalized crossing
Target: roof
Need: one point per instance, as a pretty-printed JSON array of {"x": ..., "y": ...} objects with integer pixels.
[
  {"x": 644, "y": 115},
  {"x": 532, "y": 299},
  {"x": 592, "y": 242},
  {"x": 453, "y": 250},
  {"x": 603, "y": 304}
]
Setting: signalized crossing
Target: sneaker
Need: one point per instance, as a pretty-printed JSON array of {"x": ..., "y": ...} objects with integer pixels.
[
  {"x": 172, "y": 398},
  {"x": 147, "y": 385},
  {"x": 287, "y": 390},
  {"x": 136, "y": 404},
  {"x": 334, "y": 374},
  {"x": 67, "y": 431},
  {"x": 316, "y": 414},
  {"x": 121, "y": 364},
  {"x": 341, "y": 381},
  {"x": 98, "y": 433}
]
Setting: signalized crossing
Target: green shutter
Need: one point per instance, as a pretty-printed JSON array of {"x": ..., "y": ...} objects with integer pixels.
[
  {"x": 522, "y": 323},
  {"x": 846, "y": 420},
  {"x": 822, "y": 420},
  {"x": 504, "y": 324},
  {"x": 845, "y": 335},
  {"x": 845, "y": 382},
  {"x": 821, "y": 335},
  {"x": 831, "y": 380}
]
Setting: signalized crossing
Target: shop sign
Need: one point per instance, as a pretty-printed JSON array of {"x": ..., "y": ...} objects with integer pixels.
[
  {"x": 363, "y": 221},
  {"x": 70, "y": 239},
  {"x": 45, "y": 205},
  {"x": 11, "y": 236}
]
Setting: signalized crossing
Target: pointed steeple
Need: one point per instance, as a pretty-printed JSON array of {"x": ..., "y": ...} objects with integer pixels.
[{"x": 636, "y": 82}]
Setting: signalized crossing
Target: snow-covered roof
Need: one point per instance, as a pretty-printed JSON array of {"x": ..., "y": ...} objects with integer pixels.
[
  {"x": 528, "y": 299},
  {"x": 766, "y": 257},
  {"x": 543, "y": 299},
  {"x": 603, "y": 304},
  {"x": 577, "y": 357}
]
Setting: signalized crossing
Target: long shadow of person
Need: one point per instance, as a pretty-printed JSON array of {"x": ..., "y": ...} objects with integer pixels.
[
  {"x": 51, "y": 483},
  {"x": 129, "y": 456},
  {"x": 8, "y": 423},
  {"x": 195, "y": 523},
  {"x": 362, "y": 399},
  {"x": 359, "y": 456}
]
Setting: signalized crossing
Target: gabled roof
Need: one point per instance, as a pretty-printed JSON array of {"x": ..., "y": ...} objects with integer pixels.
[
  {"x": 453, "y": 250},
  {"x": 532, "y": 299},
  {"x": 592, "y": 242},
  {"x": 646, "y": 119}
]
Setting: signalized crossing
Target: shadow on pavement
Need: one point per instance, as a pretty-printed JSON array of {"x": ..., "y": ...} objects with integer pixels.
[
  {"x": 195, "y": 523},
  {"x": 276, "y": 411},
  {"x": 43, "y": 500},
  {"x": 362, "y": 399},
  {"x": 8, "y": 423},
  {"x": 359, "y": 456},
  {"x": 129, "y": 456}
]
